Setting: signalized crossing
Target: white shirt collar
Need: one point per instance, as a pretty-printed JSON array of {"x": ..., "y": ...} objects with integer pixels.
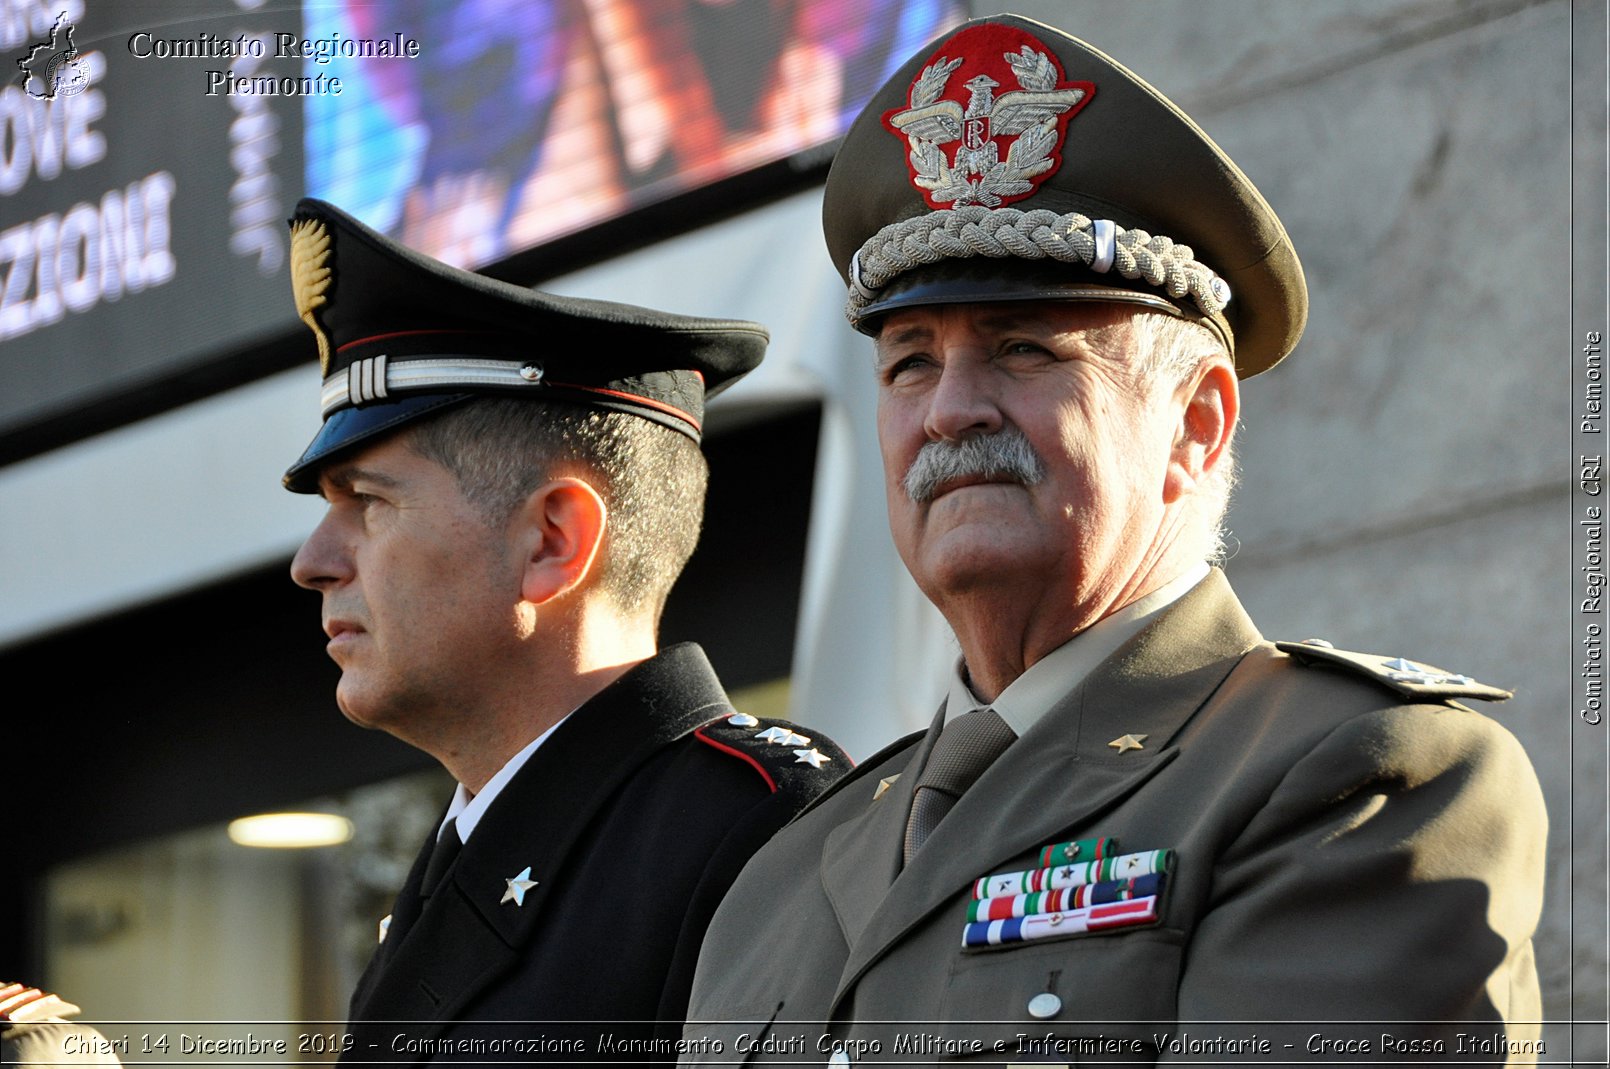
[
  {"x": 467, "y": 809},
  {"x": 1031, "y": 695}
]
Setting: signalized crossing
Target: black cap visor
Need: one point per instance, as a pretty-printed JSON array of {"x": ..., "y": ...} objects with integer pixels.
[{"x": 362, "y": 425}]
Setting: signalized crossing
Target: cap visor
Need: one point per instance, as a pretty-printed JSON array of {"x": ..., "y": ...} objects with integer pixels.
[{"x": 351, "y": 427}]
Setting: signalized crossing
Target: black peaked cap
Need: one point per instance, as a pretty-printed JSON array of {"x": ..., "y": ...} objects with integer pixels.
[{"x": 402, "y": 335}]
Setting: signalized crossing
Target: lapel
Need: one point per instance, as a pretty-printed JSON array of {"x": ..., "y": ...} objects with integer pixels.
[
  {"x": 1059, "y": 775},
  {"x": 861, "y": 857},
  {"x": 403, "y": 913},
  {"x": 468, "y": 936}
]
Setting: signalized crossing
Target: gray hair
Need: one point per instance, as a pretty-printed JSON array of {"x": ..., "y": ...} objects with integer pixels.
[
  {"x": 1169, "y": 350},
  {"x": 652, "y": 480}
]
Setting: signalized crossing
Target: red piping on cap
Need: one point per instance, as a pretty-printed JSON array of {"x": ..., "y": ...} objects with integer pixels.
[
  {"x": 413, "y": 334},
  {"x": 636, "y": 399}
]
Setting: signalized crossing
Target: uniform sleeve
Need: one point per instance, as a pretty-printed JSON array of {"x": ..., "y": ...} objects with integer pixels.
[
  {"x": 754, "y": 817},
  {"x": 747, "y": 836},
  {"x": 1393, "y": 878}
]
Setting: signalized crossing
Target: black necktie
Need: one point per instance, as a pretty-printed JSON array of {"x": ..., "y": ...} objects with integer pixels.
[
  {"x": 410, "y": 905},
  {"x": 963, "y": 751},
  {"x": 441, "y": 858}
]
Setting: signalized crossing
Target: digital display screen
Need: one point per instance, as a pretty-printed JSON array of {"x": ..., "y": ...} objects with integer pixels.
[{"x": 150, "y": 153}]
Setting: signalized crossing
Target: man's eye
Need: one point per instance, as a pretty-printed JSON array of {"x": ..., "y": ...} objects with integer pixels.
[{"x": 905, "y": 364}]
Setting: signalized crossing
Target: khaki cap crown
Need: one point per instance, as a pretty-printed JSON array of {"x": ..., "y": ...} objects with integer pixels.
[{"x": 1013, "y": 161}]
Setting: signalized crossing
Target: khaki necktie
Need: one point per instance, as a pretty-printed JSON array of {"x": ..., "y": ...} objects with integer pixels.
[{"x": 964, "y": 750}]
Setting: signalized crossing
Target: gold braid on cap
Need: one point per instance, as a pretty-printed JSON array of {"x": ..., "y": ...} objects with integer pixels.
[
  {"x": 310, "y": 277},
  {"x": 1099, "y": 244}
]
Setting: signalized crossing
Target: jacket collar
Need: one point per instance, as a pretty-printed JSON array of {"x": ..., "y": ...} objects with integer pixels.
[{"x": 468, "y": 936}]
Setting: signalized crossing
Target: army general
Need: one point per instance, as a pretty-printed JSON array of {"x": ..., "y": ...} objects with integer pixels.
[{"x": 1136, "y": 830}]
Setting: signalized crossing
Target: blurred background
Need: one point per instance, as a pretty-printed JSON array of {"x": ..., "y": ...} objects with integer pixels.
[{"x": 1407, "y": 473}]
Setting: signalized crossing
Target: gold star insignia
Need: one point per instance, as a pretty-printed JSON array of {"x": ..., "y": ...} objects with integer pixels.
[
  {"x": 883, "y": 786},
  {"x": 1125, "y": 743},
  {"x": 519, "y": 884}
]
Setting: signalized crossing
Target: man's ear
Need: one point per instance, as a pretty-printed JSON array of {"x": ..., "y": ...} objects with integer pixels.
[
  {"x": 1211, "y": 405},
  {"x": 564, "y": 521}
]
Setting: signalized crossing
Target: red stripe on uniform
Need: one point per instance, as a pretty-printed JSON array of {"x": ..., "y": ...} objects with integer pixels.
[{"x": 771, "y": 784}]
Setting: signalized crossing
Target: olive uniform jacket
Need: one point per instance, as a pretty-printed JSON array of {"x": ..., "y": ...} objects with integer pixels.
[
  {"x": 633, "y": 818},
  {"x": 1342, "y": 852}
]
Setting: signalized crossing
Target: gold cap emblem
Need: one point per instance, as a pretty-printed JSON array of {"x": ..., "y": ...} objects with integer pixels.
[{"x": 310, "y": 277}]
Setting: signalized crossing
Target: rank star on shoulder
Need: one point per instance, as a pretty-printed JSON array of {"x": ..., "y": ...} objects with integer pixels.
[{"x": 781, "y": 736}]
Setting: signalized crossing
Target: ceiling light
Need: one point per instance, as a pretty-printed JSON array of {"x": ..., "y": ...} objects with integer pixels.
[{"x": 288, "y": 830}]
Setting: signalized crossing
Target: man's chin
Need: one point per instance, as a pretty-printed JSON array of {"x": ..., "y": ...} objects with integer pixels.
[
  {"x": 966, "y": 557},
  {"x": 359, "y": 711}
]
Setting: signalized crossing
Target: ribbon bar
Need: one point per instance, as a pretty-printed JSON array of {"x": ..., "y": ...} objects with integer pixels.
[
  {"x": 1078, "y": 850},
  {"x": 1069, "y": 922},
  {"x": 1123, "y": 867},
  {"x": 1066, "y": 898}
]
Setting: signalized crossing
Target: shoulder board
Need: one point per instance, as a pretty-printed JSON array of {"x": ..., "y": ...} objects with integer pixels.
[
  {"x": 1409, "y": 678},
  {"x": 793, "y": 760}
]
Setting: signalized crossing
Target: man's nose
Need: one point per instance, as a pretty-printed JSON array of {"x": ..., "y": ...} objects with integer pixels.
[
  {"x": 323, "y": 560},
  {"x": 962, "y": 404}
]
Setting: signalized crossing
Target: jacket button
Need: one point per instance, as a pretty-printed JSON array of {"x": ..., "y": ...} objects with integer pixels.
[{"x": 1044, "y": 1005}]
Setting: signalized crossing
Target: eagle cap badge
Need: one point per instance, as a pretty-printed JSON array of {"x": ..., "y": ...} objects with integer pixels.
[{"x": 968, "y": 144}]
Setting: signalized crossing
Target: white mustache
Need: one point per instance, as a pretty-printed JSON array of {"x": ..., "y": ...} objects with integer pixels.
[{"x": 1004, "y": 454}]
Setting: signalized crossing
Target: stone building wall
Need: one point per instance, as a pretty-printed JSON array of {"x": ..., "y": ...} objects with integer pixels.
[{"x": 1406, "y": 474}]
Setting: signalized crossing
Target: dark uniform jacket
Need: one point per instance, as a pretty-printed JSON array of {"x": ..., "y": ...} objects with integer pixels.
[
  {"x": 1347, "y": 847},
  {"x": 633, "y": 818}
]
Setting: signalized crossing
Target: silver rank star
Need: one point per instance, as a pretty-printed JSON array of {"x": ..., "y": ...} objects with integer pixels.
[
  {"x": 814, "y": 758},
  {"x": 519, "y": 884},
  {"x": 1406, "y": 671},
  {"x": 781, "y": 736}
]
